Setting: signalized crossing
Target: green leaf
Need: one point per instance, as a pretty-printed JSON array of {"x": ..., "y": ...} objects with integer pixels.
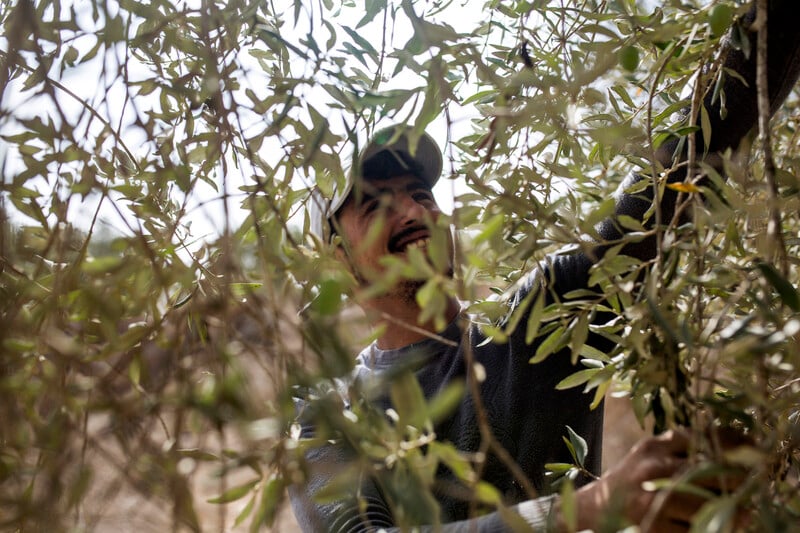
[
  {"x": 535, "y": 317},
  {"x": 408, "y": 400},
  {"x": 362, "y": 42},
  {"x": 578, "y": 378},
  {"x": 453, "y": 458},
  {"x": 343, "y": 482},
  {"x": 579, "y": 332},
  {"x": 623, "y": 95},
  {"x": 487, "y": 493},
  {"x": 578, "y": 445},
  {"x": 235, "y": 493},
  {"x": 720, "y": 18},
  {"x": 630, "y": 223},
  {"x": 71, "y": 56},
  {"x": 197, "y": 454},
  {"x": 18, "y": 345},
  {"x": 329, "y": 299},
  {"x": 481, "y": 97},
  {"x": 444, "y": 403},
  {"x": 268, "y": 505},
  {"x": 490, "y": 228},
  {"x": 705, "y": 126},
  {"x": 785, "y": 289},
  {"x": 245, "y": 512},
  {"x": 602, "y": 387},
  {"x": 590, "y": 352},
  {"x": 241, "y": 290},
  {"x": 715, "y": 515},
  {"x": 569, "y": 508},
  {"x": 371, "y": 8},
  {"x": 559, "y": 468},
  {"x": 135, "y": 370},
  {"x": 553, "y": 342}
]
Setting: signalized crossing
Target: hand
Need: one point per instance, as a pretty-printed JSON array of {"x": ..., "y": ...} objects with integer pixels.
[{"x": 625, "y": 490}]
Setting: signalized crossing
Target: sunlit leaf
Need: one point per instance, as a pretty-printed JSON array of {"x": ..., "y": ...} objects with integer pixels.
[{"x": 234, "y": 493}]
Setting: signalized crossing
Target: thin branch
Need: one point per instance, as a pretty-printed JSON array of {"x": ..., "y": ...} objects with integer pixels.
[
  {"x": 489, "y": 442},
  {"x": 774, "y": 226},
  {"x": 13, "y": 60}
]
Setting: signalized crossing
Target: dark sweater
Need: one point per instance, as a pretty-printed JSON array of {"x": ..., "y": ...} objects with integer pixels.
[{"x": 526, "y": 413}]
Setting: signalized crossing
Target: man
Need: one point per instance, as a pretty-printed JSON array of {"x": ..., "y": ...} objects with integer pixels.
[{"x": 388, "y": 210}]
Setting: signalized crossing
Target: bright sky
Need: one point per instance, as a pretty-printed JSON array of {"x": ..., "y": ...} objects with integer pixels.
[{"x": 205, "y": 206}]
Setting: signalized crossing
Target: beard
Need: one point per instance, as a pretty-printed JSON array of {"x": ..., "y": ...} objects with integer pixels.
[
  {"x": 406, "y": 290},
  {"x": 403, "y": 290}
]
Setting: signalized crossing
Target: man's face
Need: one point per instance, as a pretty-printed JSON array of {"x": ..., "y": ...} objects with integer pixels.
[{"x": 389, "y": 218}]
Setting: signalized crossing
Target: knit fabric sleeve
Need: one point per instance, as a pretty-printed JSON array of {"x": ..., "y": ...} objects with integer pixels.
[
  {"x": 364, "y": 509},
  {"x": 369, "y": 513}
]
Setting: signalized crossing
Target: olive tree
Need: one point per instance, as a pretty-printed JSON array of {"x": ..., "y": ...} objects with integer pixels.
[{"x": 162, "y": 298}]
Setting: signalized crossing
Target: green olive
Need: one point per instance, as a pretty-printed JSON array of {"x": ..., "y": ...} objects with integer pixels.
[{"x": 629, "y": 58}]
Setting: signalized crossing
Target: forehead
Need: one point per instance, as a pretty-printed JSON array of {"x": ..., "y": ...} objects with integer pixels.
[{"x": 374, "y": 187}]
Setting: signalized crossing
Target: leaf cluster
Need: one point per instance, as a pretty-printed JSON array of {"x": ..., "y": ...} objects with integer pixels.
[{"x": 157, "y": 161}]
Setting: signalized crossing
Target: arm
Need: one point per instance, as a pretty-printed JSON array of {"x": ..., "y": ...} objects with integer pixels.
[
  {"x": 324, "y": 463},
  {"x": 740, "y": 117},
  {"x": 344, "y": 516},
  {"x": 622, "y": 490},
  {"x": 363, "y": 507}
]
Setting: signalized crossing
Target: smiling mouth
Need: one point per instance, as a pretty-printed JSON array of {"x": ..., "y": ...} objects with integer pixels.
[
  {"x": 420, "y": 243},
  {"x": 408, "y": 239}
]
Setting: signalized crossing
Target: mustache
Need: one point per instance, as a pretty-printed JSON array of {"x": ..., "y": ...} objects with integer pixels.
[{"x": 398, "y": 237}]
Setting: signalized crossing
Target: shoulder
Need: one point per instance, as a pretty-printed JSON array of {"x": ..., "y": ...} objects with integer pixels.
[{"x": 559, "y": 274}]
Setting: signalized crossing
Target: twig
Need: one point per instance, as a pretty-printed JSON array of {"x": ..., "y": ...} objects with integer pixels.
[
  {"x": 659, "y": 259},
  {"x": 774, "y": 226},
  {"x": 489, "y": 441},
  {"x": 417, "y": 329},
  {"x": 12, "y": 61}
]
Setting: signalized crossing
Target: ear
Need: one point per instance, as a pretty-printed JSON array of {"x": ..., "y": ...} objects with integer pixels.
[
  {"x": 340, "y": 251},
  {"x": 343, "y": 254},
  {"x": 341, "y": 247}
]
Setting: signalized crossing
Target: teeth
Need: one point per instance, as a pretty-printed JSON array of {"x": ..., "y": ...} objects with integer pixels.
[{"x": 421, "y": 243}]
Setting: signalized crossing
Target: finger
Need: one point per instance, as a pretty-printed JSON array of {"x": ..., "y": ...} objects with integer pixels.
[
  {"x": 658, "y": 467},
  {"x": 674, "y": 441},
  {"x": 719, "y": 479},
  {"x": 680, "y": 507},
  {"x": 665, "y": 525},
  {"x": 742, "y": 519},
  {"x": 671, "y": 511}
]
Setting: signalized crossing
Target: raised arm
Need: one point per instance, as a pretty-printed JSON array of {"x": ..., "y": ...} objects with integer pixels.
[{"x": 740, "y": 116}]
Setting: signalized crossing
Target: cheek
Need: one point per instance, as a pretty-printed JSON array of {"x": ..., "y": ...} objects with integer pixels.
[
  {"x": 364, "y": 245},
  {"x": 347, "y": 229}
]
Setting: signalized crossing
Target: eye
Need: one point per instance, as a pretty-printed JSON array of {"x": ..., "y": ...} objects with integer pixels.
[
  {"x": 422, "y": 195},
  {"x": 370, "y": 205},
  {"x": 373, "y": 203}
]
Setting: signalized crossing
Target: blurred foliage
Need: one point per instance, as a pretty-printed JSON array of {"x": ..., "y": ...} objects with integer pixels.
[{"x": 157, "y": 158}]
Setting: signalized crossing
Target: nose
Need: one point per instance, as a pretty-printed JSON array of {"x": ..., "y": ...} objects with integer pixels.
[{"x": 410, "y": 211}]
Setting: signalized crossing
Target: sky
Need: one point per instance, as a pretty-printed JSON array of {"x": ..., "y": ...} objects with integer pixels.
[
  {"x": 96, "y": 84},
  {"x": 206, "y": 212}
]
